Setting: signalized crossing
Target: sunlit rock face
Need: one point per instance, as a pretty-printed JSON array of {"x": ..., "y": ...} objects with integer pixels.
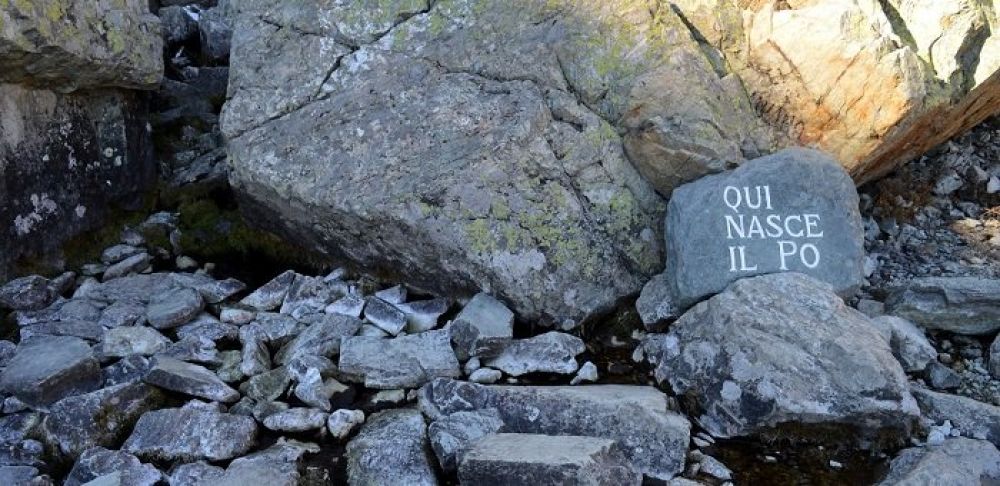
[
  {"x": 875, "y": 83},
  {"x": 73, "y": 144}
]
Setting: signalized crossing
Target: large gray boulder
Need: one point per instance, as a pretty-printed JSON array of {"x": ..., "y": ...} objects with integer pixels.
[
  {"x": 179, "y": 376},
  {"x": 964, "y": 305},
  {"x": 491, "y": 127},
  {"x": 46, "y": 369},
  {"x": 956, "y": 461},
  {"x": 794, "y": 211},
  {"x": 391, "y": 448},
  {"x": 654, "y": 439},
  {"x": 781, "y": 348},
  {"x": 65, "y": 44},
  {"x": 100, "y": 418},
  {"x": 403, "y": 362}
]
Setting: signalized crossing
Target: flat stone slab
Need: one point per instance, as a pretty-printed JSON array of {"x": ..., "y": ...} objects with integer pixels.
[
  {"x": 452, "y": 435},
  {"x": 46, "y": 369},
  {"x": 964, "y": 305},
  {"x": 391, "y": 448},
  {"x": 513, "y": 459},
  {"x": 270, "y": 296},
  {"x": 174, "y": 308},
  {"x": 189, "y": 434},
  {"x": 124, "y": 341},
  {"x": 402, "y": 362},
  {"x": 655, "y": 440},
  {"x": 793, "y": 211},
  {"x": 973, "y": 418},
  {"x": 321, "y": 338},
  {"x": 98, "y": 462},
  {"x": 191, "y": 379}
]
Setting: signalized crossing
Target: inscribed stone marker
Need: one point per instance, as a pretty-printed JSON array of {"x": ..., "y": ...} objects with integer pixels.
[{"x": 794, "y": 211}]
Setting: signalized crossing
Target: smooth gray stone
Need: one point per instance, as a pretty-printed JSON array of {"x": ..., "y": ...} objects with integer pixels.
[
  {"x": 391, "y": 448},
  {"x": 132, "y": 264},
  {"x": 483, "y": 327},
  {"x": 655, "y": 439},
  {"x": 133, "y": 288},
  {"x": 963, "y": 305},
  {"x": 342, "y": 422},
  {"x": 516, "y": 459},
  {"x": 117, "y": 253},
  {"x": 98, "y": 461},
  {"x": 321, "y": 338},
  {"x": 270, "y": 296},
  {"x": 119, "y": 342},
  {"x": 190, "y": 379},
  {"x": 782, "y": 348},
  {"x": 46, "y": 369},
  {"x": 956, "y": 461},
  {"x": 909, "y": 344},
  {"x": 384, "y": 316},
  {"x": 552, "y": 352},
  {"x": 100, "y": 418},
  {"x": 27, "y": 293},
  {"x": 296, "y": 420},
  {"x": 451, "y": 436},
  {"x": 402, "y": 362},
  {"x": 174, "y": 308},
  {"x": 190, "y": 434},
  {"x": 704, "y": 230},
  {"x": 655, "y": 304},
  {"x": 89, "y": 330},
  {"x": 973, "y": 418}
]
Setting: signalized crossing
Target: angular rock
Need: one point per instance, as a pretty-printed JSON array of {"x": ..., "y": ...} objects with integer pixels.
[
  {"x": 206, "y": 326},
  {"x": 909, "y": 344},
  {"x": 749, "y": 359},
  {"x": 100, "y": 418},
  {"x": 587, "y": 373},
  {"x": 98, "y": 461},
  {"x": 994, "y": 358},
  {"x": 544, "y": 459},
  {"x": 306, "y": 295},
  {"x": 255, "y": 358},
  {"x": 27, "y": 293},
  {"x": 941, "y": 377},
  {"x": 23, "y": 475},
  {"x": 956, "y": 461},
  {"x": 655, "y": 304},
  {"x": 321, "y": 338},
  {"x": 279, "y": 465},
  {"x": 194, "y": 473},
  {"x": 483, "y": 326},
  {"x": 7, "y": 350},
  {"x": 973, "y": 418},
  {"x": 485, "y": 376},
  {"x": 130, "y": 265},
  {"x": 552, "y": 352},
  {"x": 391, "y": 448},
  {"x": 123, "y": 313},
  {"x": 194, "y": 350},
  {"x": 137, "y": 289},
  {"x": 190, "y": 379},
  {"x": 655, "y": 439},
  {"x": 348, "y": 305},
  {"x": 62, "y": 310},
  {"x": 89, "y": 330},
  {"x": 120, "y": 342},
  {"x": 46, "y": 369},
  {"x": 394, "y": 295},
  {"x": 422, "y": 315},
  {"x": 191, "y": 435},
  {"x": 229, "y": 367},
  {"x": 316, "y": 392},
  {"x": 215, "y": 32},
  {"x": 963, "y": 305},
  {"x": 296, "y": 420},
  {"x": 69, "y": 45},
  {"x": 403, "y": 362},
  {"x": 179, "y": 24},
  {"x": 267, "y": 386},
  {"x": 796, "y": 210},
  {"x": 117, "y": 253},
  {"x": 342, "y": 422},
  {"x": 384, "y": 316},
  {"x": 129, "y": 369},
  {"x": 174, "y": 308},
  {"x": 276, "y": 329},
  {"x": 451, "y": 436},
  {"x": 270, "y": 296}
]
